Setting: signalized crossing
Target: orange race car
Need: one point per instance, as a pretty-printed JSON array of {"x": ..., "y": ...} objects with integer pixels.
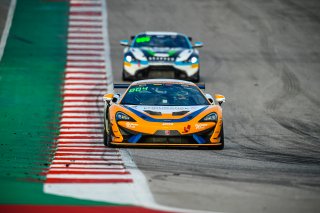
[{"x": 163, "y": 112}]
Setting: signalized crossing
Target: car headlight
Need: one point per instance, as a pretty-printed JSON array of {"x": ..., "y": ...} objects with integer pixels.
[
  {"x": 129, "y": 58},
  {"x": 194, "y": 60},
  {"x": 120, "y": 116},
  {"x": 212, "y": 117}
]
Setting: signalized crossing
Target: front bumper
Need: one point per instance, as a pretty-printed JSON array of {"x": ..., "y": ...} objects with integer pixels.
[
  {"x": 167, "y": 145},
  {"x": 127, "y": 134}
]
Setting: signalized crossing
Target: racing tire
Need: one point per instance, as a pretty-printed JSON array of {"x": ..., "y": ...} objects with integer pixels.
[
  {"x": 124, "y": 76},
  {"x": 107, "y": 139},
  {"x": 197, "y": 78}
]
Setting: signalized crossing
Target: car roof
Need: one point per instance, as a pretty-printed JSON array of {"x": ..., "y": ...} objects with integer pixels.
[{"x": 159, "y": 81}]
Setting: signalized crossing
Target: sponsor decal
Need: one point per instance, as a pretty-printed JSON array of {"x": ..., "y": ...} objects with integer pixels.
[
  {"x": 131, "y": 125},
  {"x": 186, "y": 129},
  {"x": 169, "y": 108},
  {"x": 167, "y": 132},
  {"x": 167, "y": 124},
  {"x": 200, "y": 126}
]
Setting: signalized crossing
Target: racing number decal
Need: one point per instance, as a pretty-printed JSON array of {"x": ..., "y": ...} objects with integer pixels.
[
  {"x": 143, "y": 39},
  {"x": 138, "y": 89}
]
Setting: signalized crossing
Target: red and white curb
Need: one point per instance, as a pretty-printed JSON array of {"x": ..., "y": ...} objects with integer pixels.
[{"x": 82, "y": 166}]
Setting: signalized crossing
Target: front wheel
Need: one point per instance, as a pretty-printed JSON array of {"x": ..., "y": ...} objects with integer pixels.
[
  {"x": 197, "y": 78},
  {"x": 125, "y": 76},
  {"x": 107, "y": 136}
]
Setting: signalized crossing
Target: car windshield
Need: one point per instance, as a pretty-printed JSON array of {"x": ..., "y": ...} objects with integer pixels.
[
  {"x": 164, "y": 94},
  {"x": 169, "y": 41}
]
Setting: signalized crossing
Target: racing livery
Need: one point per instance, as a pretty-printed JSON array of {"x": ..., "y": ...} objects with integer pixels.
[
  {"x": 161, "y": 55},
  {"x": 163, "y": 112}
]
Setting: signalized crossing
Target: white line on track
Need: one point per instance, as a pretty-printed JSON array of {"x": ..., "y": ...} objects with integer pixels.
[
  {"x": 82, "y": 104},
  {"x": 80, "y": 29},
  {"x": 81, "y": 109},
  {"x": 84, "y": 46},
  {"x": 85, "y": 176},
  {"x": 87, "y": 63},
  {"x": 84, "y": 23},
  {"x": 7, "y": 26},
  {"x": 92, "y": 161},
  {"x": 91, "y": 157},
  {"x": 84, "y": 52},
  {"x": 85, "y": 9},
  {"x": 81, "y": 140},
  {"x": 87, "y": 166},
  {"x": 84, "y": 57},
  {"x": 85, "y": 17},
  {"x": 79, "y": 69},
  {"x": 88, "y": 87},
  {"x": 81, "y": 119},
  {"x": 85, "y": 81},
  {"x": 79, "y": 143},
  {"x": 84, "y": 98},
  {"x": 101, "y": 153},
  {"x": 86, "y": 75},
  {"x": 80, "y": 114}
]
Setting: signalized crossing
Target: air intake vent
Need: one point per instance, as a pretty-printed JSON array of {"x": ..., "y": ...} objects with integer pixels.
[
  {"x": 180, "y": 113},
  {"x": 152, "y": 112}
]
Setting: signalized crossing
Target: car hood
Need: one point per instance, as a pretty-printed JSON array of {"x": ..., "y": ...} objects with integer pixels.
[
  {"x": 156, "y": 52},
  {"x": 174, "y": 111}
]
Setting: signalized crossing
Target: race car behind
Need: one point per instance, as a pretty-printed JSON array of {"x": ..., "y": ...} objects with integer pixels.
[{"x": 161, "y": 55}]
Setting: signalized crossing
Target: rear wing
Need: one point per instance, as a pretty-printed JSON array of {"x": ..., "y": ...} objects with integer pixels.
[
  {"x": 125, "y": 86},
  {"x": 121, "y": 86}
]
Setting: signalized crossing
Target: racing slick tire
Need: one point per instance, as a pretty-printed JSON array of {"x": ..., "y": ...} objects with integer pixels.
[
  {"x": 107, "y": 137},
  {"x": 197, "y": 77}
]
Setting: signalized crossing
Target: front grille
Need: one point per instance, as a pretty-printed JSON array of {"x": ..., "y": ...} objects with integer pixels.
[
  {"x": 161, "y": 74},
  {"x": 162, "y": 59},
  {"x": 167, "y": 133},
  {"x": 161, "y": 68},
  {"x": 161, "y": 137},
  {"x": 167, "y": 140}
]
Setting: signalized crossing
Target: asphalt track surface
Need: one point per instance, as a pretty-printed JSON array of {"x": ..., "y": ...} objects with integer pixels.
[{"x": 264, "y": 56}]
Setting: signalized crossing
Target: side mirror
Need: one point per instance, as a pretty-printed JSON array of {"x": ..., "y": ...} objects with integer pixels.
[
  {"x": 132, "y": 37},
  {"x": 124, "y": 43},
  {"x": 190, "y": 38},
  {"x": 108, "y": 97},
  {"x": 209, "y": 97},
  {"x": 219, "y": 98},
  {"x": 198, "y": 44},
  {"x": 115, "y": 98}
]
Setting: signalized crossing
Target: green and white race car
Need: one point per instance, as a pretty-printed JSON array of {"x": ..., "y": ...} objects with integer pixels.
[{"x": 161, "y": 55}]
